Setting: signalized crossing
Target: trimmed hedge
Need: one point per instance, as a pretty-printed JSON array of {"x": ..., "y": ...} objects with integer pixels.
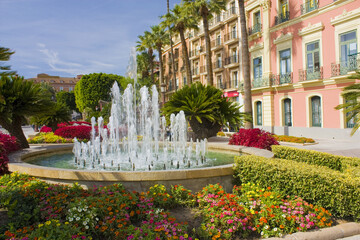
[
  {"x": 320, "y": 185},
  {"x": 308, "y": 156},
  {"x": 284, "y": 138}
]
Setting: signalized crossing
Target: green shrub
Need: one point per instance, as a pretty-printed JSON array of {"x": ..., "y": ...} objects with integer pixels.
[
  {"x": 321, "y": 185},
  {"x": 308, "y": 156},
  {"x": 284, "y": 138}
]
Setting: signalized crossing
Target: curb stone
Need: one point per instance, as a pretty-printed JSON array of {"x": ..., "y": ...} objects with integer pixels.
[{"x": 332, "y": 233}]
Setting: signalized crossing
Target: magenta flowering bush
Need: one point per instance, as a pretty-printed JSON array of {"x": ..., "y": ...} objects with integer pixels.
[
  {"x": 80, "y": 132},
  {"x": 45, "y": 129},
  {"x": 8, "y": 144},
  {"x": 253, "y": 138}
]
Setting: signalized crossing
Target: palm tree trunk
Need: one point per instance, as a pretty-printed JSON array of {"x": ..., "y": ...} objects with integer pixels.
[
  {"x": 150, "y": 51},
  {"x": 210, "y": 77},
  {"x": 185, "y": 56},
  {"x": 245, "y": 64},
  {"x": 161, "y": 82},
  {"x": 171, "y": 51},
  {"x": 14, "y": 129}
]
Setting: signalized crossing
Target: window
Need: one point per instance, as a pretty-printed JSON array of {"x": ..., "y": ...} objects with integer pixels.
[
  {"x": 285, "y": 66},
  {"x": 177, "y": 83},
  {"x": 184, "y": 80},
  {"x": 257, "y": 63},
  {"x": 61, "y": 88},
  {"x": 257, "y": 22},
  {"x": 218, "y": 61},
  {"x": 350, "y": 123},
  {"x": 218, "y": 39},
  {"x": 233, "y": 32},
  {"x": 232, "y": 8},
  {"x": 219, "y": 82},
  {"x": 348, "y": 52},
  {"x": 287, "y": 112},
  {"x": 235, "y": 79},
  {"x": 70, "y": 89},
  {"x": 312, "y": 61},
  {"x": 259, "y": 113},
  {"x": 283, "y": 12},
  {"x": 284, "y": 7},
  {"x": 316, "y": 111}
]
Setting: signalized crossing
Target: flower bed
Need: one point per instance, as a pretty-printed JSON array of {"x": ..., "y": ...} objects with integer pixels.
[
  {"x": 253, "y": 138},
  {"x": 41, "y": 210},
  {"x": 284, "y": 138},
  {"x": 8, "y": 144},
  {"x": 49, "y": 137}
]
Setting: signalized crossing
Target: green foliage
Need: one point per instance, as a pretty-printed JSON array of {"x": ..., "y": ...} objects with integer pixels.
[
  {"x": 57, "y": 114},
  {"x": 308, "y": 156},
  {"x": 143, "y": 66},
  {"x": 352, "y": 105},
  {"x": 5, "y": 54},
  {"x": 182, "y": 196},
  {"x": 96, "y": 86},
  {"x": 321, "y": 185},
  {"x": 21, "y": 99},
  {"x": 205, "y": 108},
  {"x": 160, "y": 196},
  {"x": 68, "y": 98}
]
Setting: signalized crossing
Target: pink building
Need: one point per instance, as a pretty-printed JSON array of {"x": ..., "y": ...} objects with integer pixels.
[{"x": 301, "y": 54}]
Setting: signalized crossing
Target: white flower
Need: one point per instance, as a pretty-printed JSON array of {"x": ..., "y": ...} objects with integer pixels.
[
  {"x": 275, "y": 229},
  {"x": 85, "y": 223},
  {"x": 77, "y": 219},
  {"x": 280, "y": 235},
  {"x": 86, "y": 227},
  {"x": 284, "y": 216},
  {"x": 97, "y": 219},
  {"x": 71, "y": 219},
  {"x": 262, "y": 233},
  {"x": 266, "y": 227}
]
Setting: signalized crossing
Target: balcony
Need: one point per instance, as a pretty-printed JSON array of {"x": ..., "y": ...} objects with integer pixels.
[
  {"x": 195, "y": 71},
  {"x": 285, "y": 78},
  {"x": 230, "y": 13},
  {"x": 309, "y": 6},
  {"x": 215, "y": 44},
  {"x": 231, "y": 60},
  {"x": 351, "y": 64},
  {"x": 216, "y": 21},
  {"x": 255, "y": 29},
  {"x": 230, "y": 37},
  {"x": 195, "y": 53},
  {"x": 310, "y": 74},
  {"x": 282, "y": 17},
  {"x": 221, "y": 85},
  {"x": 263, "y": 81},
  {"x": 217, "y": 65}
]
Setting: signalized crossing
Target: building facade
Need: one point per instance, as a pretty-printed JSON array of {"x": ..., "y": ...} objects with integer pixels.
[
  {"x": 58, "y": 83},
  {"x": 301, "y": 55}
]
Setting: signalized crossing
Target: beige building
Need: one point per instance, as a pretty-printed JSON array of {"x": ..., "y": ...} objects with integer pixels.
[{"x": 58, "y": 83}]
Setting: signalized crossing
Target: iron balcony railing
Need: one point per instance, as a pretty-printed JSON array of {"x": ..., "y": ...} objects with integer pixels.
[
  {"x": 217, "y": 64},
  {"x": 230, "y": 12},
  {"x": 195, "y": 52},
  {"x": 284, "y": 78},
  {"x": 255, "y": 29},
  {"x": 231, "y": 35},
  {"x": 263, "y": 81},
  {"x": 231, "y": 60},
  {"x": 352, "y": 63},
  {"x": 310, "y": 74},
  {"x": 170, "y": 86},
  {"x": 282, "y": 17},
  {"x": 309, "y": 6},
  {"x": 216, "y": 42},
  {"x": 221, "y": 85}
]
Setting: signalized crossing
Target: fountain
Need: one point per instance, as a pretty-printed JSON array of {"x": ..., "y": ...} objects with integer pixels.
[
  {"x": 136, "y": 138},
  {"x": 134, "y": 149}
]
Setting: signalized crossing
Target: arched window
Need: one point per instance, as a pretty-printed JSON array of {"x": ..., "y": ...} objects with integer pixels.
[
  {"x": 287, "y": 112},
  {"x": 259, "y": 113},
  {"x": 316, "y": 111}
]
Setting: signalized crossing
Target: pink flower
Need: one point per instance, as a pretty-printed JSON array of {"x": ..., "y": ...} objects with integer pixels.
[{"x": 230, "y": 221}]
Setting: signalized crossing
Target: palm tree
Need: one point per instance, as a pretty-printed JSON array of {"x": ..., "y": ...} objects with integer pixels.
[
  {"x": 21, "y": 99},
  {"x": 245, "y": 64},
  {"x": 206, "y": 9},
  {"x": 5, "y": 55},
  {"x": 205, "y": 108},
  {"x": 145, "y": 43},
  {"x": 179, "y": 20},
  {"x": 143, "y": 64},
  {"x": 351, "y": 107},
  {"x": 160, "y": 37},
  {"x": 171, "y": 49}
]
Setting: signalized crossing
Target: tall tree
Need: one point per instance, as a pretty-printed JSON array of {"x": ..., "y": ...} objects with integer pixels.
[
  {"x": 171, "y": 50},
  {"x": 245, "y": 64},
  {"x": 20, "y": 100},
  {"x": 160, "y": 38},
  {"x": 5, "y": 54},
  {"x": 146, "y": 43},
  {"x": 179, "y": 21},
  {"x": 206, "y": 9},
  {"x": 143, "y": 64}
]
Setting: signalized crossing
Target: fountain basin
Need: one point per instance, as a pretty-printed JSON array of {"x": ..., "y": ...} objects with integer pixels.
[{"x": 194, "y": 179}]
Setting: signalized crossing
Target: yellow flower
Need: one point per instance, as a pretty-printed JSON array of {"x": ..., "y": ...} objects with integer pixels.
[
  {"x": 186, "y": 236},
  {"x": 40, "y": 225},
  {"x": 48, "y": 222}
]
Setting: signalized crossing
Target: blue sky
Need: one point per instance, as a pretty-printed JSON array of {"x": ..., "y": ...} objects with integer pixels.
[{"x": 70, "y": 37}]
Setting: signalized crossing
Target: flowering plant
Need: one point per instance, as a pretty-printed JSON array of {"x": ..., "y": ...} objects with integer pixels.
[
  {"x": 159, "y": 196},
  {"x": 182, "y": 196},
  {"x": 80, "y": 132},
  {"x": 49, "y": 137},
  {"x": 253, "y": 138},
  {"x": 45, "y": 129}
]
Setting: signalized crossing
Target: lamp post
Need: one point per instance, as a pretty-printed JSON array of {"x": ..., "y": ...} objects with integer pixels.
[{"x": 163, "y": 91}]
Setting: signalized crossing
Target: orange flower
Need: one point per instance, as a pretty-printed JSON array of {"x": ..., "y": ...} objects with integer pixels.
[
  {"x": 282, "y": 226},
  {"x": 132, "y": 213}
]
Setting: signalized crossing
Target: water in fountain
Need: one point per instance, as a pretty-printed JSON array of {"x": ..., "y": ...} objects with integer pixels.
[{"x": 137, "y": 140}]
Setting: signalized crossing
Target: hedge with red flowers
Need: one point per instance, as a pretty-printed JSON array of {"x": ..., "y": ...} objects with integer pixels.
[
  {"x": 80, "y": 132},
  {"x": 45, "y": 129},
  {"x": 8, "y": 144},
  {"x": 253, "y": 138}
]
